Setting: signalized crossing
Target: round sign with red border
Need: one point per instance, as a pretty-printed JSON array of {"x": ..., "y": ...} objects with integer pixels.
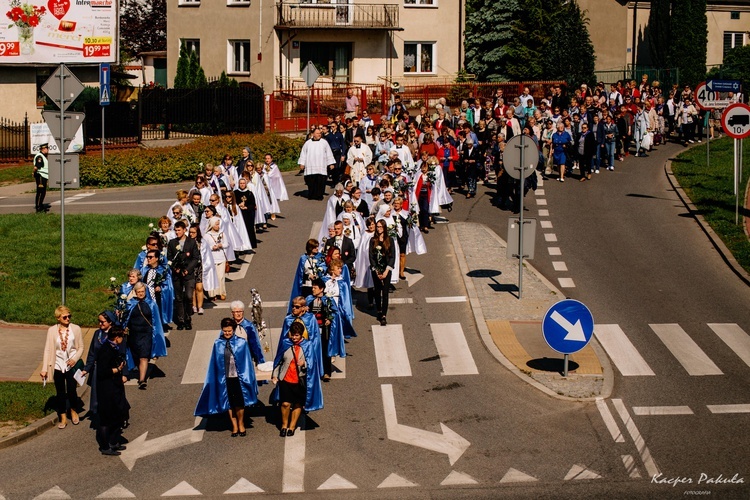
[
  {"x": 707, "y": 99},
  {"x": 736, "y": 120}
]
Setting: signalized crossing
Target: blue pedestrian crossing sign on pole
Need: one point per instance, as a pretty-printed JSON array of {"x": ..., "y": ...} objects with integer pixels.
[
  {"x": 104, "y": 82},
  {"x": 568, "y": 326}
]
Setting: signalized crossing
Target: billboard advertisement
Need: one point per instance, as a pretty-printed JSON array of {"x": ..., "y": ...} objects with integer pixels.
[{"x": 58, "y": 31}]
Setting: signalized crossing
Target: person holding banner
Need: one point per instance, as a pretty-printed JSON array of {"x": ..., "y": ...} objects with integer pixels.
[{"x": 41, "y": 177}]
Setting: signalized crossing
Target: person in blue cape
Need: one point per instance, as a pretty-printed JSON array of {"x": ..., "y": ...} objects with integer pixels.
[
  {"x": 246, "y": 330},
  {"x": 157, "y": 276},
  {"x": 311, "y": 332},
  {"x": 311, "y": 265},
  {"x": 339, "y": 288},
  {"x": 230, "y": 383},
  {"x": 295, "y": 374},
  {"x": 153, "y": 242},
  {"x": 329, "y": 319},
  {"x": 107, "y": 320},
  {"x": 126, "y": 289},
  {"x": 145, "y": 333}
]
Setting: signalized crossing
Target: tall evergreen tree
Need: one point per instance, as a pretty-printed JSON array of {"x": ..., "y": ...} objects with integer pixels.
[
  {"x": 488, "y": 36},
  {"x": 531, "y": 37},
  {"x": 569, "y": 55},
  {"x": 659, "y": 32},
  {"x": 689, "y": 29},
  {"x": 183, "y": 69}
]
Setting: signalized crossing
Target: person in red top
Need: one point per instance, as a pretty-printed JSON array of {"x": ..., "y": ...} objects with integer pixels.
[
  {"x": 448, "y": 155},
  {"x": 428, "y": 146},
  {"x": 292, "y": 393}
]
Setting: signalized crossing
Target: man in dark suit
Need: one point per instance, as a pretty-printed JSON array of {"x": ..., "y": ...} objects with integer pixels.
[
  {"x": 344, "y": 243},
  {"x": 183, "y": 252},
  {"x": 472, "y": 161}
]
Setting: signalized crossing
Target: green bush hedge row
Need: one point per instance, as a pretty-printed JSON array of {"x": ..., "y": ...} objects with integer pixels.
[{"x": 175, "y": 164}]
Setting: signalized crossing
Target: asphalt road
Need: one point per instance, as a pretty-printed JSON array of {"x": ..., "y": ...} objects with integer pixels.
[{"x": 634, "y": 259}]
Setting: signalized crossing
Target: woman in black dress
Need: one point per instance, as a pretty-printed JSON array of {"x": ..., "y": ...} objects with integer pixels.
[
  {"x": 246, "y": 201},
  {"x": 140, "y": 324},
  {"x": 113, "y": 406},
  {"x": 107, "y": 320},
  {"x": 382, "y": 260}
]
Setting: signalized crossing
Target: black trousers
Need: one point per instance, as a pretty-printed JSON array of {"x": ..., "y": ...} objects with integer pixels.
[
  {"x": 65, "y": 385},
  {"x": 316, "y": 186},
  {"x": 41, "y": 191},
  {"x": 325, "y": 337},
  {"x": 423, "y": 201},
  {"x": 184, "y": 288},
  {"x": 381, "y": 292}
]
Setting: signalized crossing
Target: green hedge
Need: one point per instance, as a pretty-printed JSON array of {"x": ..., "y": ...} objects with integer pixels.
[{"x": 180, "y": 163}]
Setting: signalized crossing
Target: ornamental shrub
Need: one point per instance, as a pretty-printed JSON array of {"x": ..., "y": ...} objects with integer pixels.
[{"x": 133, "y": 167}]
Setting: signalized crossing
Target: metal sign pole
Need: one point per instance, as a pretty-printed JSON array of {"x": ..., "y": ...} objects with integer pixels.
[
  {"x": 62, "y": 180},
  {"x": 307, "y": 125},
  {"x": 521, "y": 180},
  {"x": 102, "y": 135},
  {"x": 565, "y": 365},
  {"x": 708, "y": 127},
  {"x": 736, "y": 183}
]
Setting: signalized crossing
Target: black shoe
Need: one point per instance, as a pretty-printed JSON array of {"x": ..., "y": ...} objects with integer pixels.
[
  {"x": 119, "y": 447},
  {"x": 142, "y": 385},
  {"x": 243, "y": 434},
  {"x": 180, "y": 327},
  {"x": 188, "y": 326},
  {"x": 282, "y": 433},
  {"x": 383, "y": 321},
  {"x": 110, "y": 452},
  {"x": 290, "y": 432}
]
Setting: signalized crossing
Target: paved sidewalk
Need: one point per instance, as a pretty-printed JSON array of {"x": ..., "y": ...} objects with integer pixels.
[{"x": 511, "y": 327}]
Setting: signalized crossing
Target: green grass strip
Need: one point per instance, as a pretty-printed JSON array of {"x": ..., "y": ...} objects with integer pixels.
[
  {"x": 25, "y": 401},
  {"x": 96, "y": 247},
  {"x": 16, "y": 175},
  {"x": 710, "y": 187}
]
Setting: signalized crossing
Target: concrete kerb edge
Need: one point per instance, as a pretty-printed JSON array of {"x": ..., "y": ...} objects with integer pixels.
[
  {"x": 705, "y": 227},
  {"x": 489, "y": 344}
]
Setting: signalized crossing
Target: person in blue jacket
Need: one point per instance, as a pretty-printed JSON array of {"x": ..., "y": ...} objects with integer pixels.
[
  {"x": 329, "y": 320},
  {"x": 339, "y": 288},
  {"x": 230, "y": 383},
  {"x": 311, "y": 332},
  {"x": 145, "y": 334},
  {"x": 312, "y": 264},
  {"x": 295, "y": 374},
  {"x": 157, "y": 276}
]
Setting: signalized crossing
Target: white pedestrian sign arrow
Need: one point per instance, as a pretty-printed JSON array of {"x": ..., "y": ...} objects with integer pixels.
[
  {"x": 447, "y": 442},
  {"x": 139, "y": 447},
  {"x": 575, "y": 331}
]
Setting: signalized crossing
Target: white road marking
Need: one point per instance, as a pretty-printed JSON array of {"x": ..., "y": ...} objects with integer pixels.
[
  {"x": 54, "y": 493},
  {"x": 516, "y": 476},
  {"x": 315, "y": 229},
  {"x": 337, "y": 482},
  {"x": 539, "y": 192},
  {"x": 640, "y": 443},
  {"x": 200, "y": 355},
  {"x": 441, "y": 300},
  {"x": 629, "y": 462},
  {"x": 545, "y": 224},
  {"x": 566, "y": 282},
  {"x": 456, "y": 478},
  {"x": 550, "y": 237},
  {"x": 735, "y": 338},
  {"x": 447, "y": 442},
  {"x": 662, "y": 410},
  {"x": 453, "y": 349},
  {"x": 739, "y": 408},
  {"x": 541, "y": 201},
  {"x": 580, "y": 472},
  {"x": 117, "y": 491},
  {"x": 278, "y": 303},
  {"x": 609, "y": 421},
  {"x": 684, "y": 348},
  {"x": 621, "y": 351},
  {"x": 293, "y": 478},
  {"x": 339, "y": 368},
  {"x": 140, "y": 447},
  {"x": 396, "y": 300},
  {"x": 554, "y": 250},
  {"x": 543, "y": 212},
  {"x": 184, "y": 489},
  {"x": 412, "y": 277},
  {"x": 390, "y": 351},
  {"x": 243, "y": 486},
  {"x": 242, "y": 271},
  {"x": 559, "y": 266},
  {"x": 396, "y": 481}
]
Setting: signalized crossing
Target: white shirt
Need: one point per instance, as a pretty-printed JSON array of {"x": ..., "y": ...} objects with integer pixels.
[
  {"x": 62, "y": 357},
  {"x": 316, "y": 156}
]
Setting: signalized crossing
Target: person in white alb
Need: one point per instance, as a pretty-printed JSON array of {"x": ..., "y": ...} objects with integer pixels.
[
  {"x": 357, "y": 160},
  {"x": 315, "y": 159}
]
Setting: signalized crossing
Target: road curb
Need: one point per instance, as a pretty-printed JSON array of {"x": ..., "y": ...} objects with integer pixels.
[
  {"x": 714, "y": 238},
  {"x": 489, "y": 344}
]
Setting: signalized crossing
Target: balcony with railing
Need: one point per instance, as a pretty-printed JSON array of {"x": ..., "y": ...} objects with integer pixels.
[{"x": 309, "y": 15}]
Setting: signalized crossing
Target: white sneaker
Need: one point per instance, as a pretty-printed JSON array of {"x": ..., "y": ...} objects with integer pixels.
[
  {"x": 200, "y": 310},
  {"x": 610, "y": 168},
  {"x": 561, "y": 179},
  {"x": 195, "y": 309},
  {"x": 691, "y": 141},
  {"x": 596, "y": 171}
]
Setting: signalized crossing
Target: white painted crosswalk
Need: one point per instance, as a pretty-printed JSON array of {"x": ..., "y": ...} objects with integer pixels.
[
  {"x": 390, "y": 351},
  {"x": 621, "y": 351},
  {"x": 684, "y": 348},
  {"x": 453, "y": 349}
]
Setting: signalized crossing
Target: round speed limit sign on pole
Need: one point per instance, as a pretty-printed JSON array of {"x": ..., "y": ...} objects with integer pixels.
[
  {"x": 736, "y": 121},
  {"x": 707, "y": 99}
]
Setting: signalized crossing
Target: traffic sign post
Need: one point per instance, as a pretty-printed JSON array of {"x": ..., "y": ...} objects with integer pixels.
[
  {"x": 310, "y": 75},
  {"x": 708, "y": 99},
  {"x": 736, "y": 123},
  {"x": 520, "y": 159},
  {"x": 567, "y": 328},
  {"x": 104, "y": 91},
  {"x": 723, "y": 85}
]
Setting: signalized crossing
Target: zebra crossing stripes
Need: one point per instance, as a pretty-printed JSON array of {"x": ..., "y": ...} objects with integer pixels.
[
  {"x": 453, "y": 349},
  {"x": 390, "y": 351},
  {"x": 684, "y": 348},
  {"x": 621, "y": 351},
  {"x": 735, "y": 338}
]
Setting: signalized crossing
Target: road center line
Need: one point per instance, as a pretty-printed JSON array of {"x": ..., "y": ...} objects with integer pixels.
[
  {"x": 609, "y": 421},
  {"x": 662, "y": 410},
  {"x": 740, "y": 408},
  {"x": 640, "y": 443}
]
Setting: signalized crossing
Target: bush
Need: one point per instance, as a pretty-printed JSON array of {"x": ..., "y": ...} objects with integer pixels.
[{"x": 180, "y": 163}]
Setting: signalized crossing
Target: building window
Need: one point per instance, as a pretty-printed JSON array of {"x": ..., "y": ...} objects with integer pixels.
[
  {"x": 319, "y": 2},
  {"x": 732, "y": 40},
  {"x": 189, "y": 3},
  {"x": 239, "y": 57},
  {"x": 419, "y": 57},
  {"x": 420, "y": 3},
  {"x": 193, "y": 44},
  {"x": 238, "y": 3},
  {"x": 734, "y": 15},
  {"x": 332, "y": 59}
]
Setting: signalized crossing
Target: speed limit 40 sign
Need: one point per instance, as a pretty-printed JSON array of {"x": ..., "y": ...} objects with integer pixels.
[
  {"x": 707, "y": 99},
  {"x": 736, "y": 121}
]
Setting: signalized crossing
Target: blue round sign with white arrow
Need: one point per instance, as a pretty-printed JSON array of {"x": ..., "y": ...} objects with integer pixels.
[{"x": 568, "y": 326}]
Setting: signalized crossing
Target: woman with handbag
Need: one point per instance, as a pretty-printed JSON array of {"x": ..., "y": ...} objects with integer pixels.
[
  {"x": 215, "y": 240},
  {"x": 62, "y": 350},
  {"x": 297, "y": 378}
]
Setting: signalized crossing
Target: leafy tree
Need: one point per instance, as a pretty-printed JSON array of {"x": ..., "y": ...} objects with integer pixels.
[
  {"x": 689, "y": 29},
  {"x": 659, "y": 32},
  {"x": 143, "y": 26},
  {"x": 736, "y": 65},
  {"x": 488, "y": 35},
  {"x": 569, "y": 55}
]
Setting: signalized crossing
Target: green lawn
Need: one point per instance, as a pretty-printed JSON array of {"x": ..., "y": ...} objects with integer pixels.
[
  {"x": 16, "y": 175},
  {"x": 23, "y": 402},
  {"x": 711, "y": 189},
  {"x": 97, "y": 247}
]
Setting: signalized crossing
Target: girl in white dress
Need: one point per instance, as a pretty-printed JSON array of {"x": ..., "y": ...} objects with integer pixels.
[
  {"x": 216, "y": 240},
  {"x": 277, "y": 180},
  {"x": 205, "y": 273}
]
